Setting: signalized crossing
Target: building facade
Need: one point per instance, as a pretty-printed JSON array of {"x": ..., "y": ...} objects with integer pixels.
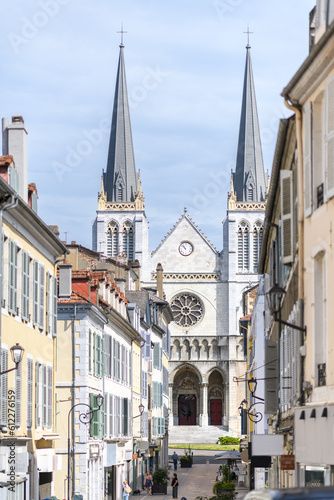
[{"x": 202, "y": 284}]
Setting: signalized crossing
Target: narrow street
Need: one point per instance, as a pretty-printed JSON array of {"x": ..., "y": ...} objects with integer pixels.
[{"x": 197, "y": 481}]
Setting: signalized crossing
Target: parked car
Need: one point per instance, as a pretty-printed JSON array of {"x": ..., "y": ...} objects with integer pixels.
[{"x": 316, "y": 493}]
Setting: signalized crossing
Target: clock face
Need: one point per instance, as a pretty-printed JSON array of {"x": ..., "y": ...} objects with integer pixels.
[{"x": 186, "y": 248}]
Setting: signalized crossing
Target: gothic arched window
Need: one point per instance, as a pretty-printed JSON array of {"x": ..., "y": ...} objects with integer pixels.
[
  {"x": 243, "y": 246},
  {"x": 112, "y": 239},
  {"x": 257, "y": 240},
  {"x": 250, "y": 195},
  {"x": 128, "y": 240}
]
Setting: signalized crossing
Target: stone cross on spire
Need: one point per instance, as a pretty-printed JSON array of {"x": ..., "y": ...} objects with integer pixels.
[
  {"x": 122, "y": 32},
  {"x": 248, "y": 33}
]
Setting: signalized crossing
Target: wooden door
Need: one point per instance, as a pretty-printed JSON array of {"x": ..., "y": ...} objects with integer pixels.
[
  {"x": 187, "y": 410},
  {"x": 216, "y": 411}
]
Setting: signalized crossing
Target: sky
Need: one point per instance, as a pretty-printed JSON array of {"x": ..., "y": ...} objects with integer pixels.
[{"x": 185, "y": 62}]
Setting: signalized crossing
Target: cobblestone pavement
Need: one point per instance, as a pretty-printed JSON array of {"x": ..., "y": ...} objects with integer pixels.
[{"x": 194, "y": 482}]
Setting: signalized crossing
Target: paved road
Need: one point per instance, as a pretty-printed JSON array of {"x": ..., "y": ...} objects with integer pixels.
[{"x": 197, "y": 481}]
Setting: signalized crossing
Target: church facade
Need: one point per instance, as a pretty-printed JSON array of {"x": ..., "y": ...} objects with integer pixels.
[{"x": 204, "y": 286}]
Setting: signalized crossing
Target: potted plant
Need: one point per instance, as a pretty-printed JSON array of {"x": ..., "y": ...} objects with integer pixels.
[
  {"x": 187, "y": 459},
  {"x": 160, "y": 477},
  {"x": 225, "y": 488}
]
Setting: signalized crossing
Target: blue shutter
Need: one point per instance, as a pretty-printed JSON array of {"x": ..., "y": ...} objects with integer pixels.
[{"x": 148, "y": 345}]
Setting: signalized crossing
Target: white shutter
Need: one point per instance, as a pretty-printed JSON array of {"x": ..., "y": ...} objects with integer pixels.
[
  {"x": 48, "y": 302},
  {"x": 25, "y": 286},
  {"x": 11, "y": 302},
  {"x": 29, "y": 391},
  {"x": 329, "y": 137},
  {"x": 41, "y": 296},
  {"x": 307, "y": 147},
  {"x": 49, "y": 397},
  {"x": 287, "y": 216},
  {"x": 38, "y": 396},
  {"x": 111, "y": 415},
  {"x": 44, "y": 396},
  {"x": 35, "y": 312},
  {"x": 54, "y": 307}
]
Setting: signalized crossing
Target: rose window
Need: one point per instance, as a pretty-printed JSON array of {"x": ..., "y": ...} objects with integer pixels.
[{"x": 187, "y": 309}]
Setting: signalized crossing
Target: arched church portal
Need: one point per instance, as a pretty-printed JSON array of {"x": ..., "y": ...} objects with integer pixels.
[
  {"x": 216, "y": 398},
  {"x": 186, "y": 392}
]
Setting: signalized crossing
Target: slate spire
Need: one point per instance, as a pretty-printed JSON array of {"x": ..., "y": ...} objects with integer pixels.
[
  {"x": 249, "y": 177},
  {"x": 120, "y": 180}
]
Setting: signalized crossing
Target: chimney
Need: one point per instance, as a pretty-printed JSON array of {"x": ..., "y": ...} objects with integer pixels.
[
  {"x": 14, "y": 142},
  {"x": 160, "y": 280},
  {"x": 65, "y": 281}
]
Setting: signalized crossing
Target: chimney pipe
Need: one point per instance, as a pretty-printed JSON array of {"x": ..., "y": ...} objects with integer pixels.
[
  {"x": 160, "y": 280},
  {"x": 14, "y": 142}
]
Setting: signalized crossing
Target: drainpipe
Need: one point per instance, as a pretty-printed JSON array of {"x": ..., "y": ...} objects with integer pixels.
[
  {"x": 73, "y": 403},
  {"x": 300, "y": 173},
  {"x": 11, "y": 204}
]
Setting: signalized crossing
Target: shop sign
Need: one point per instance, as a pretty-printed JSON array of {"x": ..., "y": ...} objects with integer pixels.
[{"x": 287, "y": 462}]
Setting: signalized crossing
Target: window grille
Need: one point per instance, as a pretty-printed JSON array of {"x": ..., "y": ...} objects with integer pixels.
[{"x": 243, "y": 247}]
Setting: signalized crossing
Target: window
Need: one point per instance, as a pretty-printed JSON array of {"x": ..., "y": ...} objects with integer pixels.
[
  {"x": 243, "y": 246},
  {"x": 188, "y": 310},
  {"x": 257, "y": 240},
  {"x": 320, "y": 345},
  {"x": 112, "y": 239},
  {"x": 287, "y": 208},
  {"x": 250, "y": 193},
  {"x": 120, "y": 193},
  {"x": 128, "y": 240},
  {"x": 38, "y": 395}
]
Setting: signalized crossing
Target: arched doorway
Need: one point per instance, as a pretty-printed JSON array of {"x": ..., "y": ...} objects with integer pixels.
[
  {"x": 216, "y": 392},
  {"x": 186, "y": 391}
]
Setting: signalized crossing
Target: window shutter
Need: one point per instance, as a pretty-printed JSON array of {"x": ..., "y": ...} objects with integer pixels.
[
  {"x": 47, "y": 304},
  {"x": 126, "y": 416},
  {"x": 156, "y": 354},
  {"x": 287, "y": 216},
  {"x": 41, "y": 296},
  {"x": 90, "y": 351},
  {"x": 111, "y": 415},
  {"x": 49, "y": 405},
  {"x": 44, "y": 396},
  {"x": 35, "y": 312},
  {"x": 329, "y": 137},
  {"x": 55, "y": 305},
  {"x": 94, "y": 354},
  {"x": 30, "y": 368},
  {"x": 114, "y": 358},
  {"x": 11, "y": 306},
  {"x": 270, "y": 374},
  {"x": 18, "y": 394},
  {"x": 25, "y": 286},
  {"x": 106, "y": 414},
  {"x": 148, "y": 345},
  {"x": 4, "y": 387},
  {"x": 307, "y": 144},
  {"x": 38, "y": 402}
]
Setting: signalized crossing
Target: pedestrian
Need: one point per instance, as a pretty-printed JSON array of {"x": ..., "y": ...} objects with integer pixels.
[
  {"x": 148, "y": 483},
  {"x": 126, "y": 490},
  {"x": 175, "y": 485},
  {"x": 175, "y": 458}
]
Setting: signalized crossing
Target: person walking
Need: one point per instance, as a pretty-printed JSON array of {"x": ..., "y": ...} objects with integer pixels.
[
  {"x": 148, "y": 482},
  {"x": 126, "y": 490},
  {"x": 175, "y": 484},
  {"x": 175, "y": 458}
]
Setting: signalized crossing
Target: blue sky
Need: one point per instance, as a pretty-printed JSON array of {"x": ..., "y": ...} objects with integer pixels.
[{"x": 184, "y": 64}]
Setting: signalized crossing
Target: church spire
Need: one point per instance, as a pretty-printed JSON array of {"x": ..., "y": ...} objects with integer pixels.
[
  {"x": 249, "y": 180},
  {"x": 121, "y": 178}
]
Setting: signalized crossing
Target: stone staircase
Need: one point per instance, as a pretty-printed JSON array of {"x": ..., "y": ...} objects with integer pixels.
[{"x": 195, "y": 434}]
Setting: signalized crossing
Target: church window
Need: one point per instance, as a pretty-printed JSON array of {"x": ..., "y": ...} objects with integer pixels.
[
  {"x": 120, "y": 193},
  {"x": 257, "y": 240},
  {"x": 112, "y": 240},
  {"x": 243, "y": 246},
  {"x": 187, "y": 310},
  {"x": 250, "y": 193},
  {"x": 128, "y": 240}
]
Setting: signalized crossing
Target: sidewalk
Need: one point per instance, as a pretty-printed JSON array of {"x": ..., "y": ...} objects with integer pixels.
[{"x": 195, "y": 482}]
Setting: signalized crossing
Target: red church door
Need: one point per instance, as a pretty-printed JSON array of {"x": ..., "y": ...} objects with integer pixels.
[
  {"x": 216, "y": 411},
  {"x": 187, "y": 410}
]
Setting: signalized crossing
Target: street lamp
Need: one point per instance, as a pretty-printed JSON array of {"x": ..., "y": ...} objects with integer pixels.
[
  {"x": 141, "y": 409},
  {"x": 85, "y": 418},
  {"x": 274, "y": 298},
  {"x": 16, "y": 353}
]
